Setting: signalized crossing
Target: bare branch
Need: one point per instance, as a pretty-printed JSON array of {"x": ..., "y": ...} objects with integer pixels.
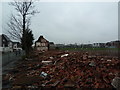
[{"x": 21, "y": 21}]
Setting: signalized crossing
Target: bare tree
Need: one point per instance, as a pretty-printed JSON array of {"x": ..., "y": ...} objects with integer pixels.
[{"x": 20, "y": 22}]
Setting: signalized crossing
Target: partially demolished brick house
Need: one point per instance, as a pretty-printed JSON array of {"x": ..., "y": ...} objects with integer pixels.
[{"x": 42, "y": 44}]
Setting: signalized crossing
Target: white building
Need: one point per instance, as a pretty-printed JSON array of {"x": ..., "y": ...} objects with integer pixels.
[
  {"x": 42, "y": 44},
  {"x": 5, "y": 43}
]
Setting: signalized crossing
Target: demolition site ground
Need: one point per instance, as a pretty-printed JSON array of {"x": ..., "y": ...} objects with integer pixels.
[{"x": 63, "y": 70}]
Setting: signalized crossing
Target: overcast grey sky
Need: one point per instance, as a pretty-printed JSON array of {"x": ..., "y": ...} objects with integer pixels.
[{"x": 82, "y": 22}]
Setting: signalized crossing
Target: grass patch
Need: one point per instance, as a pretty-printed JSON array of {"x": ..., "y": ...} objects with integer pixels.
[{"x": 79, "y": 49}]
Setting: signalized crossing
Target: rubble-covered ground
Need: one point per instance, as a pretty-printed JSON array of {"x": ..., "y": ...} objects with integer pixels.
[{"x": 63, "y": 69}]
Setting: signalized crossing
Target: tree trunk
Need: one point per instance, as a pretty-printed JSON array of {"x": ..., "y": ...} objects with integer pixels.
[{"x": 24, "y": 35}]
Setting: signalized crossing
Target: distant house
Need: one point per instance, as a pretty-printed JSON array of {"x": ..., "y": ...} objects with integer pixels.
[
  {"x": 113, "y": 44},
  {"x": 16, "y": 46},
  {"x": 42, "y": 44},
  {"x": 51, "y": 46},
  {"x": 60, "y": 45},
  {"x": 99, "y": 45},
  {"x": 5, "y": 43}
]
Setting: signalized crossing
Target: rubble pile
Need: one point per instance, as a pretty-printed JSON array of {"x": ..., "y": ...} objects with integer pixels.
[{"x": 64, "y": 69}]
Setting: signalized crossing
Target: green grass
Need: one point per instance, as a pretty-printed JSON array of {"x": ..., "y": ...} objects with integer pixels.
[{"x": 76, "y": 49}]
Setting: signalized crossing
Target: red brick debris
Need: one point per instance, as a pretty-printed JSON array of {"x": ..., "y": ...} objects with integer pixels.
[{"x": 63, "y": 69}]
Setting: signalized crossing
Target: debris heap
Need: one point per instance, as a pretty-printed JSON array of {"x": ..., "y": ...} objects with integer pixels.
[{"x": 63, "y": 69}]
